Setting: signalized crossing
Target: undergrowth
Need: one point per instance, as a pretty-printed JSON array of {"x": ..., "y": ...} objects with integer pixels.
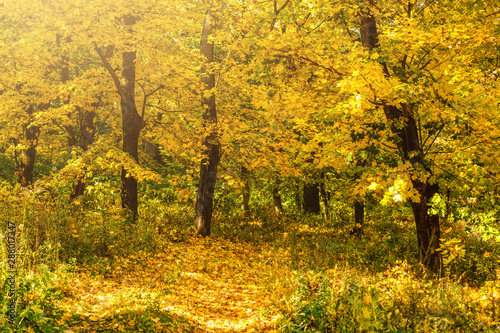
[{"x": 332, "y": 281}]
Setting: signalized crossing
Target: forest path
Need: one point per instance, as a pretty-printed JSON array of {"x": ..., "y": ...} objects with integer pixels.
[{"x": 216, "y": 284}]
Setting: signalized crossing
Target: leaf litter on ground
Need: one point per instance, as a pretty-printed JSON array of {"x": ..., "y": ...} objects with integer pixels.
[{"x": 204, "y": 284}]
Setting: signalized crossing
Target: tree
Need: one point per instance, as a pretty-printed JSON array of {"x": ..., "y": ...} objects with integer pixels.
[
  {"x": 132, "y": 122},
  {"x": 311, "y": 198},
  {"x": 31, "y": 132},
  {"x": 27, "y": 82},
  {"x": 87, "y": 131},
  {"x": 343, "y": 67},
  {"x": 410, "y": 84},
  {"x": 208, "y": 167}
]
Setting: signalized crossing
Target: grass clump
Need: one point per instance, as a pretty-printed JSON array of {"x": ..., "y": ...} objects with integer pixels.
[{"x": 397, "y": 300}]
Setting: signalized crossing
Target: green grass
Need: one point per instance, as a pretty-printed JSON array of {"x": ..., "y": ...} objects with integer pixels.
[{"x": 335, "y": 282}]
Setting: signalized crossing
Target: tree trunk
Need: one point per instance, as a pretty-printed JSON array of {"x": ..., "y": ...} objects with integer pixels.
[
  {"x": 153, "y": 151},
  {"x": 311, "y": 198},
  {"x": 359, "y": 204},
  {"x": 208, "y": 168},
  {"x": 404, "y": 126},
  {"x": 428, "y": 229},
  {"x": 278, "y": 207},
  {"x": 132, "y": 122},
  {"x": 359, "y": 218},
  {"x": 150, "y": 147},
  {"x": 70, "y": 131},
  {"x": 246, "y": 190},
  {"x": 87, "y": 131},
  {"x": 70, "y": 135},
  {"x": 27, "y": 155},
  {"x": 324, "y": 195}
]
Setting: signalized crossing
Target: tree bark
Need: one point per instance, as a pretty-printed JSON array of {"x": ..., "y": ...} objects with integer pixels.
[
  {"x": 311, "y": 198},
  {"x": 404, "y": 126},
  {"x": 359, "y": 218},
  {"x": 132, "y": 122},
  {"x": 151, "y": 147},
  {"x": 31, "y": 133},
  {"x": 87, "y": 131},
  {"x": 208, "y": 167},
  {"x": 246, "y": 190},
  {"x": 153, "y": 151},
  {"x": 324, "y": 195},
  {"x": 278, "y": 207}
]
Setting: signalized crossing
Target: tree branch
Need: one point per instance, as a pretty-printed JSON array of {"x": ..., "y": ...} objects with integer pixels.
[
  {"x": 164, "y": 110},
  {"x": 146, "y": 97},
  {"x": 333, "y": 70},
  {"x": 108, "y": 67},
  {"x": 492, "y": 14},
  {"x": 433, "y": 140}
]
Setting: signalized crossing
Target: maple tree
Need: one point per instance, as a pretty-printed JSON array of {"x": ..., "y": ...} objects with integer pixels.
[
  {"x": 22, "y": 94},
  {"x": 367, "y": 111},
  {"x": 410, "y": 80},
  {"x": 208, "y": 169},
  {"x": 409, "y": 115}
]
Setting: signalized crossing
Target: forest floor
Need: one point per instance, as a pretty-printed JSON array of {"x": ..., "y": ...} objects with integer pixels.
[
  {"x": 211, "y": 285},
  {"x": 259, "y": 278}
]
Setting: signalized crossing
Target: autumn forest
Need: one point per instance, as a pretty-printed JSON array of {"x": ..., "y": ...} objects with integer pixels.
[{"x": 250, "y": 166}]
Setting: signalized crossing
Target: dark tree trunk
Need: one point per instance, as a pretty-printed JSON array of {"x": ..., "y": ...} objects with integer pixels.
[
  {"x": 359, "y": 218},
  {"x": 278, "y": 207},
  {"x": 150, "y": 147},
  {"x": 324, "y": 195},
  {"x": 70, "y": 135},
  {"x": 153, "y": 151},
  {"x": 246, "y": 190},
  {"x": 31, "y": 133},
  {"x": 87, "y": 127},
  {"x": 428, "y": 229},
  {"x": 132, "y": 122},
  {"x": 311, "y": 198},
  {"x": 404, "y": 126},
  {"x": 359, "y": 204},
  {"x": 87, "y": 131},
  {"x": 208, "y": 168},
  {"x": 70, "y": 131}
]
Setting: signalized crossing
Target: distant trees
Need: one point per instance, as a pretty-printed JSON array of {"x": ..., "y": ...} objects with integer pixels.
[{"x": 399, "y": 98}]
